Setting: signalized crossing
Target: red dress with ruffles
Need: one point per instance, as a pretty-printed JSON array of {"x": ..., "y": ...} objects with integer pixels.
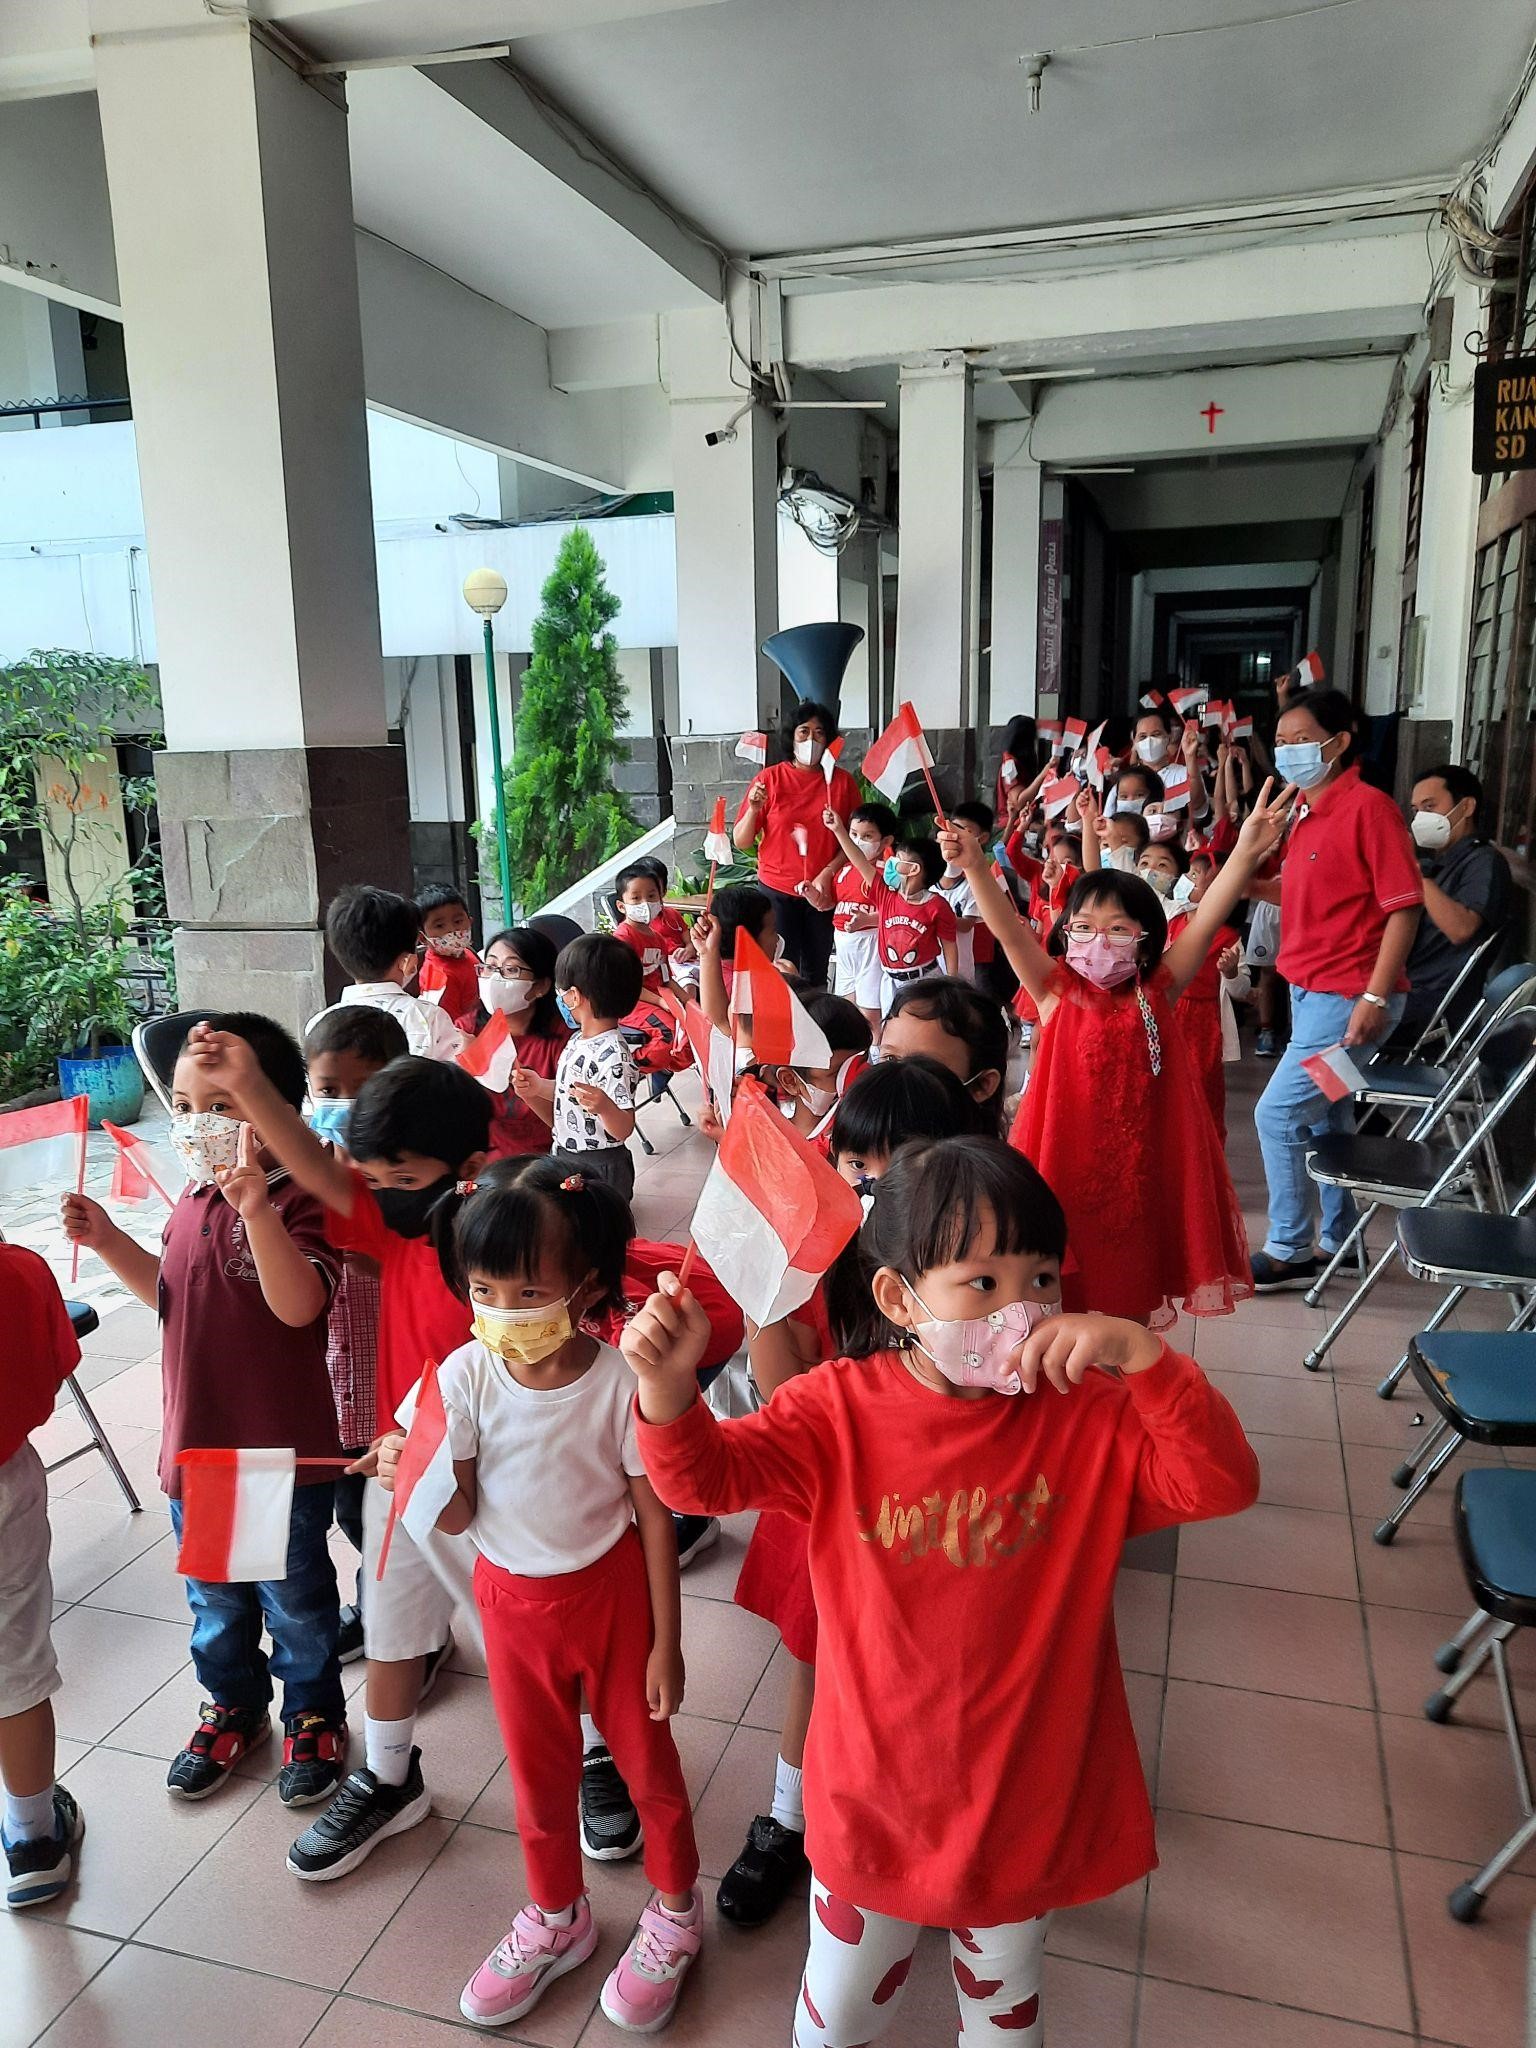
[
  {"x": 775, "y": 1576},
  {"x": 1133, "y": 1159},
  {"x": 1198, "y": 1010}
]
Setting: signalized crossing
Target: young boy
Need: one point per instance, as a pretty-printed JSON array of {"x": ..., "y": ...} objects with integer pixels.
[
  {"x": 813, "y": 1093},
  {"x": 450, "y": 962},
  {"x": 598, "y": 981},
  {"x": 42, "y": 1822},
  {"x": 855, "y": 927},
  {"x": 975, "y": 946},
  {"x": 243, "y": 1286},
  {"x": 372, "y": 935},
  {"x": 917, "y": 927},
  {"x": 343, "y": 1049},
  {"x": 652, "y": 933}
]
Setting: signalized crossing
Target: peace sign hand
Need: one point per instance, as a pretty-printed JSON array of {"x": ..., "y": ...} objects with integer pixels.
[
  {"x": 1265, "y": 825},
  {"x": 244, "y": 1185}
]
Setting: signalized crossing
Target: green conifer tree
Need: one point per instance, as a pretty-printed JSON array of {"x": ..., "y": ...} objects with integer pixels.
[{"x": 564, "y": 815}]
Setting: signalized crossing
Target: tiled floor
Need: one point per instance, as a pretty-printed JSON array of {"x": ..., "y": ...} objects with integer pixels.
[{"x": 1311, "y": 1821}]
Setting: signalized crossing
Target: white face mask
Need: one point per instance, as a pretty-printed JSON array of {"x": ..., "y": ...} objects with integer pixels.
[
  {"x": 498, "y": 993},
  {"x": 449, "y": 945},
  {"x": 206, "y": 1143},
  {"x": 1158, "y": 879},
  {"x": 807, "y": 751},
  {"x": 1431, "y": 830},
  {"x": 1123, "y": 858},
  {"x": 640, "y": 913},
  {"x": 868, "y": 847},
  {"x": 1132, "y": 806},
  {"x": 1153, "y": 751}
]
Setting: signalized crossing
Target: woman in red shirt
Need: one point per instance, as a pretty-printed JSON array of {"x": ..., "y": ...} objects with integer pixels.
[
  {"x": 797, "y": 856},
  {"x": 968, "y": 1488},
  {"x": 518, "y": 978}
]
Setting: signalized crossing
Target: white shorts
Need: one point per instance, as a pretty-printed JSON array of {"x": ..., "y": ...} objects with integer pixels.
[
  {"x": 29, "y": 1672},
  {"x": 890, "y": 987},
  {"x": 427, "y": 1590},
  {"x": 1263, "y": 944},
  {"x": 858, "y": 968}
]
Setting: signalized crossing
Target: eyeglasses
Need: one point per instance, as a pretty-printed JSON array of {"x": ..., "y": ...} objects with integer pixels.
[
  {"x": 1082, "y": 930},
  {"x": 494, "y": 973}
]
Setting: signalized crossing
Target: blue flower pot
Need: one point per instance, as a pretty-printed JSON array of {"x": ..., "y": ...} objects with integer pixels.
[{"x": 112, "y": 1083}]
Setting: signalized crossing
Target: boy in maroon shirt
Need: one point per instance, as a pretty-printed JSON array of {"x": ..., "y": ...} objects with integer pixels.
[{"x": 242, "y": 1287}]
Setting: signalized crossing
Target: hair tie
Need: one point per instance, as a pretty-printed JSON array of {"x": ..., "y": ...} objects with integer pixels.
[
  {"x": 573, "y": 1184},
  {"x": 465, "y": 1187}
]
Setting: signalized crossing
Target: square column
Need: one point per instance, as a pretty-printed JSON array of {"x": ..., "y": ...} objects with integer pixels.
[
  {"x": 1448, "y": 530},
  {"x": 1015, "y": 588},
  {"x": 1391, "y": 531},
  {"x": 939, "y": 592}
]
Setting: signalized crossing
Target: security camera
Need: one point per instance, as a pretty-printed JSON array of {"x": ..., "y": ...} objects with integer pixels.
[{"x": 720, "y": 434}]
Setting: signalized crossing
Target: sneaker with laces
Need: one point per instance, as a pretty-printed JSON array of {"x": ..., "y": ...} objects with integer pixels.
[
  {"x": 1279, "y": 1276},
  {"x": 361, "y": 1815},
  {"x": 610, "y": 1826},
  {"x": 764, "y": 1874},
  {"x": 224, "y": 1735},
  {"x": 642, "y": 1993},
  {"x": 39, "y": 1868},
  {"x": 314, "y": 1757},
  {"x": 518, "y": 1971}
]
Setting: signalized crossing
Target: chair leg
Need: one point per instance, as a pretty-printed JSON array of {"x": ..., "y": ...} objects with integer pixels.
[
  {"x": 1385, "y": 1532},
  {"x": 1449, "y": 1655},
  {"x": 1467, "y": 1900},
  {"x": 1439, "y": 1704},
  {"x": 1388, "y": 1387},
  {"x": 1314, "y": 1358},
  {"x": 1314, "y": 1293},
  {"x": 104, "y": 1445},
  {"x": 1430, "y": 1441}
]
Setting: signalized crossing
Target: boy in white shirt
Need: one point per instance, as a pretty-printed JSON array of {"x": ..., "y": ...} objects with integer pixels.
[
  {"x": 597, "y": 981},
  {"x": 372, "y": 934}
]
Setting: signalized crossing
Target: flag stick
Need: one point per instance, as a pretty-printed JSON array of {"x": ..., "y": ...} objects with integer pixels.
[
  {"x": 686, "y": 1267},
  {"x": 709, "y": 893},
  {"x": 74, "y": 1263},
  {"x": 389, "y": 1530},
  {"x": 938, "y": 808}
]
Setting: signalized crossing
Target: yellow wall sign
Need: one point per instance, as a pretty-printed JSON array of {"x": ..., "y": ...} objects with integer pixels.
[{"x": 1504, "y": 415}]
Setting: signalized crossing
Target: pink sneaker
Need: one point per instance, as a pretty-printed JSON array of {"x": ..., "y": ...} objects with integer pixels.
[
  {"x": 515, "y": 1975},
  {"x": 642, "y": 1993}
]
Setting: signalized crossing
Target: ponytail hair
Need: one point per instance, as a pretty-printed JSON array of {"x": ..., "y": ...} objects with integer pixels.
[{"x": 517, "y": 1213}]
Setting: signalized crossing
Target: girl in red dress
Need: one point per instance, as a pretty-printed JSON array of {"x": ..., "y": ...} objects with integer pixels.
[
  {"x": 1205, "y": 1009},
  {"x": 518, "y": 977},
  {"x": 1113, "y": 1115}
]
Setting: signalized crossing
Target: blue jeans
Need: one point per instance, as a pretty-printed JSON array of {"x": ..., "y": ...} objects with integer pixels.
[
  {"x": 1291, "y": 1113},
  {"x": 300, "y": 1613}
]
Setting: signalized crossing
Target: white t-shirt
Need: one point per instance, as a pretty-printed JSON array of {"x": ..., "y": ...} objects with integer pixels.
[
  {"x": 961, "y": 898},
  {"x": 605, "y": 1062},
  {"x": 551, "y": 1468},
  {"x": 430, "y": 1032}
]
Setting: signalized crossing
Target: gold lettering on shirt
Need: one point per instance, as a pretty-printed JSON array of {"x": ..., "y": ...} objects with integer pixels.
[{"x": 970, "y": 1527}]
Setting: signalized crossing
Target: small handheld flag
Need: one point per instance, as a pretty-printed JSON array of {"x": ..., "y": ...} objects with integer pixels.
[
  {"x": 133, "y": 1170},
  {"x": 1310, "y": 671},
  {"x": 424, "y": 1481},
  {"x": 1058, "y": 794},
  {"x": 1152, "y": 699},
  {"x": 783, "y": 1033},
  {"x": 45, "y": 1148},
  {"x": 235, "y": 1510},
  {"x": 1215, "y": 713},
  {"x": 831, "y": 755},
  {"x": 1187, "y": 702},
  {"x": 1175, "y": 789},
  {"x": 717, "y": 841},
  {"x": 492, "y": 1055},
  {"x": 1074, "y": 731},
  {"x": 1335, "y": 1073},
  {"x": 753, "y": 747},
  {"x": 1241, "y": 729},
  {"x": 1049, "y": 730},
  {"x": 900, "y": 753}
]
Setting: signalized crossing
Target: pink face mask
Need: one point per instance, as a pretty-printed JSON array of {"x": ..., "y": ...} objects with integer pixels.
[
  {"x": 978, "y": 1352},
  {"x": 1103, "y": 960}
]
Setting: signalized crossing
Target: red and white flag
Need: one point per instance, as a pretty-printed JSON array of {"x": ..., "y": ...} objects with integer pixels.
[
  {"x": 900, "y": 753},
  {"x": 1049, "y": 729},
  {"x": 43, "y": 1148},
  {"x": 235, "y": 1511},
  {"x": 1240, "y": 728},
  {"x": 753, "y": 747},
  {"x": 492, "y": 1055},
  {"x": 1187, "y": 702},
  {"x": 783, "y": 1033},
  {"x": 713, "y": 1053},
  {"x": 773, "y": 1215},
  {"x": 424, "y": 1479},
  {"x": 1097, "y": 757},
  {"x": 1074, "y": 731},
  {"x": 1175, "y": 789},
  {"x": 1215, "y": 713},
  {"x": 717, "y": 840},
  {"x": 1310, "y": 671},
  {"x": 1152, "y": 699},
  {"x": 133, "y": 1169},
  {"x": 831, "y": 756},
  {"x": 1058, "y": 794},
  {"x": 1334, "y": 1072}
]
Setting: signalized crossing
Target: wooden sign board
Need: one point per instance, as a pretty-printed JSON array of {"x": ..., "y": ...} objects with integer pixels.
[{"x": 1504, "y": 415}]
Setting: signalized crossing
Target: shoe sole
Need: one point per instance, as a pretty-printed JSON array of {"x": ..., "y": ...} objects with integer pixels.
[
  {"x": 294, "y": 1799},
  {"x": 48, "y": 1884},
  {"x": 1296, "y": 1285},
  {"x": 572, "y": 1960},
  {"x": 596, "y": 1854},
  {"x": 226, "y": 1771},
  {"x": 646, "y": 2026},
  {"x": 697, "y": 1549},
  {"x": 408, "y": 1817}
]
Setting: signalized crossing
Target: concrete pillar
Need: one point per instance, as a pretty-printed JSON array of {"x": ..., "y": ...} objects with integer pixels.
[
  {"x": 1015, "y": 588},
  {"x": 41, "y": 356},
  {"x": 1340, "y": 657},
  {"x": 232, "y": 218},
  {"x": 1448, "y": 532},
  {"x": 1387, "y": 582},
  {"x": 938, "y": 595}
]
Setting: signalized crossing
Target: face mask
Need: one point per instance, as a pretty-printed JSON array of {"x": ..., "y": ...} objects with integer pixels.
[
  {"x": 498, "y": 993},
  {"x": 524, "y": 1335},
  {"x": 640, "y": 913},
  {"x": 1302, "y": 764},
  {"x": 1158, "y": 879},
  {"x": 1077, "y": 763},
  {"x": 1153, "y": 751},
  {"x": 1431, "y": 830},
  {"x": 1183, "y": 890},
  {"x": 408, "y": 1211},
  {"x": 1104, "y": 961},
  {"x": 817, "y": 1100},
  {"x": 806, "y": 752},
  {"x": 1123, "y": 858},
  {"x": 978, "y": 1351},
  {"x": 449, "y": 945},
  {"x": 566, "y": 1012},
  {"x": 206, "y": 1143},
  {"x": 1162, "y": 825},
  {"x": 1129, "y": 805},
  {"x": 892, "y": 873},
  {"x": 328, "y": 1119},
  {"x": 868, "y": 847}
]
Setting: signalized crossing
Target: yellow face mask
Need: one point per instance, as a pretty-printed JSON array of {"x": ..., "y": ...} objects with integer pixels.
[{"x": 524, "y": 1335}]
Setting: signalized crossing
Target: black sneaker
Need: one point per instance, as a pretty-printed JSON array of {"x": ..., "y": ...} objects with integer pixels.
[
  {"x": 610, "y": 1826},
  {"x": 695, "y": 1535},
  {"x": 1275, "y": 1276},
  {"x": 349, "y": 1639},
  {"x": 356, "y": 1821},
  {"x": 314, "y": 1757},
  {"x": 764, "y": 1874},
  {"x": 224, "y": 1735},
  {"x": 40, "y": 1868},
  {"x": 434, "y": 1667}
]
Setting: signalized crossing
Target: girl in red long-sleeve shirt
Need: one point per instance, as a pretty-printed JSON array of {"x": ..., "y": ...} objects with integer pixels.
[{"x": 966, "y": 1523}]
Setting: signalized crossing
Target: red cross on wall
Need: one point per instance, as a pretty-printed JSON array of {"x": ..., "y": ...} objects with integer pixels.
[{"x": 1211, "y": 414}]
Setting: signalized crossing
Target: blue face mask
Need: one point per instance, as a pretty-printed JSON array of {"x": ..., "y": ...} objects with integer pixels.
[
  {"x": 328, "y": 1119},
  {"x": 892, "y": 873},
  {"x": 560, "y": 1005},
  {"x": 1302, "y": 764}
]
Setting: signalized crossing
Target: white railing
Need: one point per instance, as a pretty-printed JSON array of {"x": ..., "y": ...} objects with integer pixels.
[{"x": 579, "y": 901}]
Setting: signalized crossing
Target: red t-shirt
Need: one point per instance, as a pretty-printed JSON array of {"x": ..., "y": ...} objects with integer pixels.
[
  {"x": 649, "y": 947},
  {"x": 963, "y": 1556},
  {"x": 1349, "y": 863},
  {"x": 798, "y": 796},
  {"x": 420, "y": 1316},
  {"x": 911, "y": 934},
  {"x": 41, "y": 1348},
  {"x": 459, "y": 980},
  {"x": 852, "y": 896},
  {"x": 644, "y": 1264},
  {"x": 517, "y": 1129}
]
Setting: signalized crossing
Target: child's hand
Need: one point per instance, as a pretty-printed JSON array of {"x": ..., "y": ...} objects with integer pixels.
[
  {"x": 706, "y": 935},
  {"x": 244, "y": 1185},
  {"x": 709, "y": 1122},
  {"x": 664, "y": 1681},
  {"x": 1064, "y": 1348},
  {"x": 961, "y": 850},
  {"x": 1264, "y": 827},
  {"x": 224, "y": 1059},
  {"x": 669, "y": 1336},
  {"x": 817, "y": 894},
  {"x": 1229, "y": 960},
  {"x": 85, "y": 1222},
  {"x": 528, "y": 1086},
  {"x": 586, "y": 1095},
  {"x": 367, "y": 1466},
  {"x": 386, "y": 1452}
]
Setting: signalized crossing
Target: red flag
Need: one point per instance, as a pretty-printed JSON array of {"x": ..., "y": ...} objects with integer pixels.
[
  {"x": 1058, "y": 794},
  {"x": 235, "y": 1511},
  {"x": 783, "y": 1034},
  {"x": 424, "y": 1479},
  {"x": 492, "y": 1055},
  {"x": 1074, "y": 731},
  {"x": 133, "y": 1169},
  {"x": 899, "y": 753}
]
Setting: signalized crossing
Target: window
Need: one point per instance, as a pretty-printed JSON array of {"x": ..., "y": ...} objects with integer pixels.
[{"x": 1501, "y": 683}]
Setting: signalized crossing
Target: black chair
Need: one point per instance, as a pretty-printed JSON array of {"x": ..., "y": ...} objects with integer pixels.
[
  {"x": 85, "y": 1320},
  {"x": 1439, "y": 1028},
  {"x": 558, "y": 930},
  {"x": 1482, "y": 1385},
  {"x": 1463, "y": 1250},
  {"x": 158, "y": 1040}
]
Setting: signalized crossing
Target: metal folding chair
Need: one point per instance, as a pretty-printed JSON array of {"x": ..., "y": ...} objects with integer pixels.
[
  {"x": 1482, "y": 1385},
  {"x": 1464, "y": 1251},
  {"x": 85, "y": 1319},
  {"x": 1438, "y": 1027}
]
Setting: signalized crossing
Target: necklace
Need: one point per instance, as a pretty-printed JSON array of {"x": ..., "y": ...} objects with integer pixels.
[{"x": 1154, "y": 1036}]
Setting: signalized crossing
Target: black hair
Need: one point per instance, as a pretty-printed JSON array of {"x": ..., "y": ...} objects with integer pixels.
[
  {"x": 441, "y": 896},
  {"x": 540, "y": 955},
  {"x": 1155, "y": 789},
  {"x": 1174, "y": 846},
  {"x": 1164, "y": 713},
  {"x": 896, "y": 1100},
  {"x": 807, "y": 709},
  {"x": 657, "y": 867},
  {"x": 369, "y": 929},
  {"x": 976, "y": 813},
  {"x": 1138, "y": 899},
  {"x": 925, "y": 1214},
  {"x": 520, "y": 1209},
  {"x": 1460, "y": 783},
  {"x": 1021, "y": 740},
  {"x": 1331, "y": 708},
  {"x": 742, "y": 906},
  {"x": 926, "y": 851},
  {"x": 357, "y": 1028},
  {"x": 1074, "y": 844},
  {"x": 604, "y": 970},
  {"x": 844, "y": 1023},
  {"x": 637, "y": 871},
  {"x": 277, "y": 1051},
  {"x": 961, "y": 1011},
  {"x": 881, "y": 816},
  {"x": 430, "y": 1107},
  {"x": 1141, "y": 831}
]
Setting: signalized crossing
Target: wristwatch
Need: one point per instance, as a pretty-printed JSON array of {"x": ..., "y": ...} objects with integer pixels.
[{"x": 1379, "y": 1001}]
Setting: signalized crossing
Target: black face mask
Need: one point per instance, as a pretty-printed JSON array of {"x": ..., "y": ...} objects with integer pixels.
[{"x": 408, "y": 1211}]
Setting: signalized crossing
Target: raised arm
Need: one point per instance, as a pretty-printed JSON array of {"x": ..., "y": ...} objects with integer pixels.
[
  {"x": 713, "y": 1000},
  {"x": 230, "y": 1061},
  {"x": 1025, "y": 954},
  {"x": 1261, "y": 834},
  {"x": 1087, "y": 807},
  {"x": 862, "y": 865},
  {"x": 748, "y": 827}
]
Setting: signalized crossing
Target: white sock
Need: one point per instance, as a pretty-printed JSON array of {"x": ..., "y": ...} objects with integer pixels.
[
  {"x": 672, "y": 1913},
  {"x": 788, "y": 1807},
  {"x": 566, "y": 1917},
  {"x": 590, "y": 1739},
  {"x": 387, "y": 1746},
  {"x": 28, "y": 1815}
]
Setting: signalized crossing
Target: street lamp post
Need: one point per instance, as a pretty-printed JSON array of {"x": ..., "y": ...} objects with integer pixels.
[{"x": 485, "y": 592}]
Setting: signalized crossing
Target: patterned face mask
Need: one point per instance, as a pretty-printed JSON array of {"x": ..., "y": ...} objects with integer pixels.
[
  {"x": 206, "y": 1142},
  {"x": 979, "y": 1351}
]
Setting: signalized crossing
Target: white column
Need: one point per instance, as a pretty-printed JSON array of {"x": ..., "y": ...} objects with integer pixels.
[
  {"x": 1387, "y": 578},
  {"x": 937, "y": 597},
  {"x": 1341, "y": 656},
  {"x": 1448, "y": 533},
  {"x": 1015, "y": 588},
  {"x": 860, "y": 603}
]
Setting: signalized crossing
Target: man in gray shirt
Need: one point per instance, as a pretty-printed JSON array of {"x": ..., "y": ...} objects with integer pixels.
[{"x": 1466, "y": 890}]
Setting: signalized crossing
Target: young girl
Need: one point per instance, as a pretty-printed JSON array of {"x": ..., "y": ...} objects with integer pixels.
[
  {"x": 576, "y": 1582},
  {"x": 1113, "y": 1114},
  {"x": 968, "y": 1479},
  {"x": 518, "y": 978},
  {"x": 917, "y": 933},
  {"x": 1205, "y": 1009}
]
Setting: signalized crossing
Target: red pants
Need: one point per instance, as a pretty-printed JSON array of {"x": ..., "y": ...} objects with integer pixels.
[{"x": 546, "y": 1639}]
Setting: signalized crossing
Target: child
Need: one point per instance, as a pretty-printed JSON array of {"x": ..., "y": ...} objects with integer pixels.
[
  {"x": 974, "y": 944},
  {"x": 887, "y": 1106},
  {"x": 916, "y": 926},
  {"x": 1113, "y": 1113},
  {"x": 810, "y": 1095},
  {"x": 343, "y": 1050},
  {"x": 518, "y": 979},
  {"x": 638, "y": 901},
  {"x": 1205, "y": 1009},
  {"x": 242, "y": 1287},
  {"x": 1133, "y": 791},
  {"x": 42, "y": 1822},
  {"x": 962, "y": 1029},
  {"x": 873, "y": 829},
  {"x": 597, "y": 981},
  {"x": 964, "y": 1547},
  {"x": 576, "y": 1581},
  {"x": 1119, "y": 842},
  {"x": 449, "y": 962},
  {"x": 372, "y": 935}
]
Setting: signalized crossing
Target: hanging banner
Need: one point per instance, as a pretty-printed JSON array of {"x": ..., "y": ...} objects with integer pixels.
[
  {"x": 1504, "y": 415},
  {"x": 1048, "y": 656}
]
